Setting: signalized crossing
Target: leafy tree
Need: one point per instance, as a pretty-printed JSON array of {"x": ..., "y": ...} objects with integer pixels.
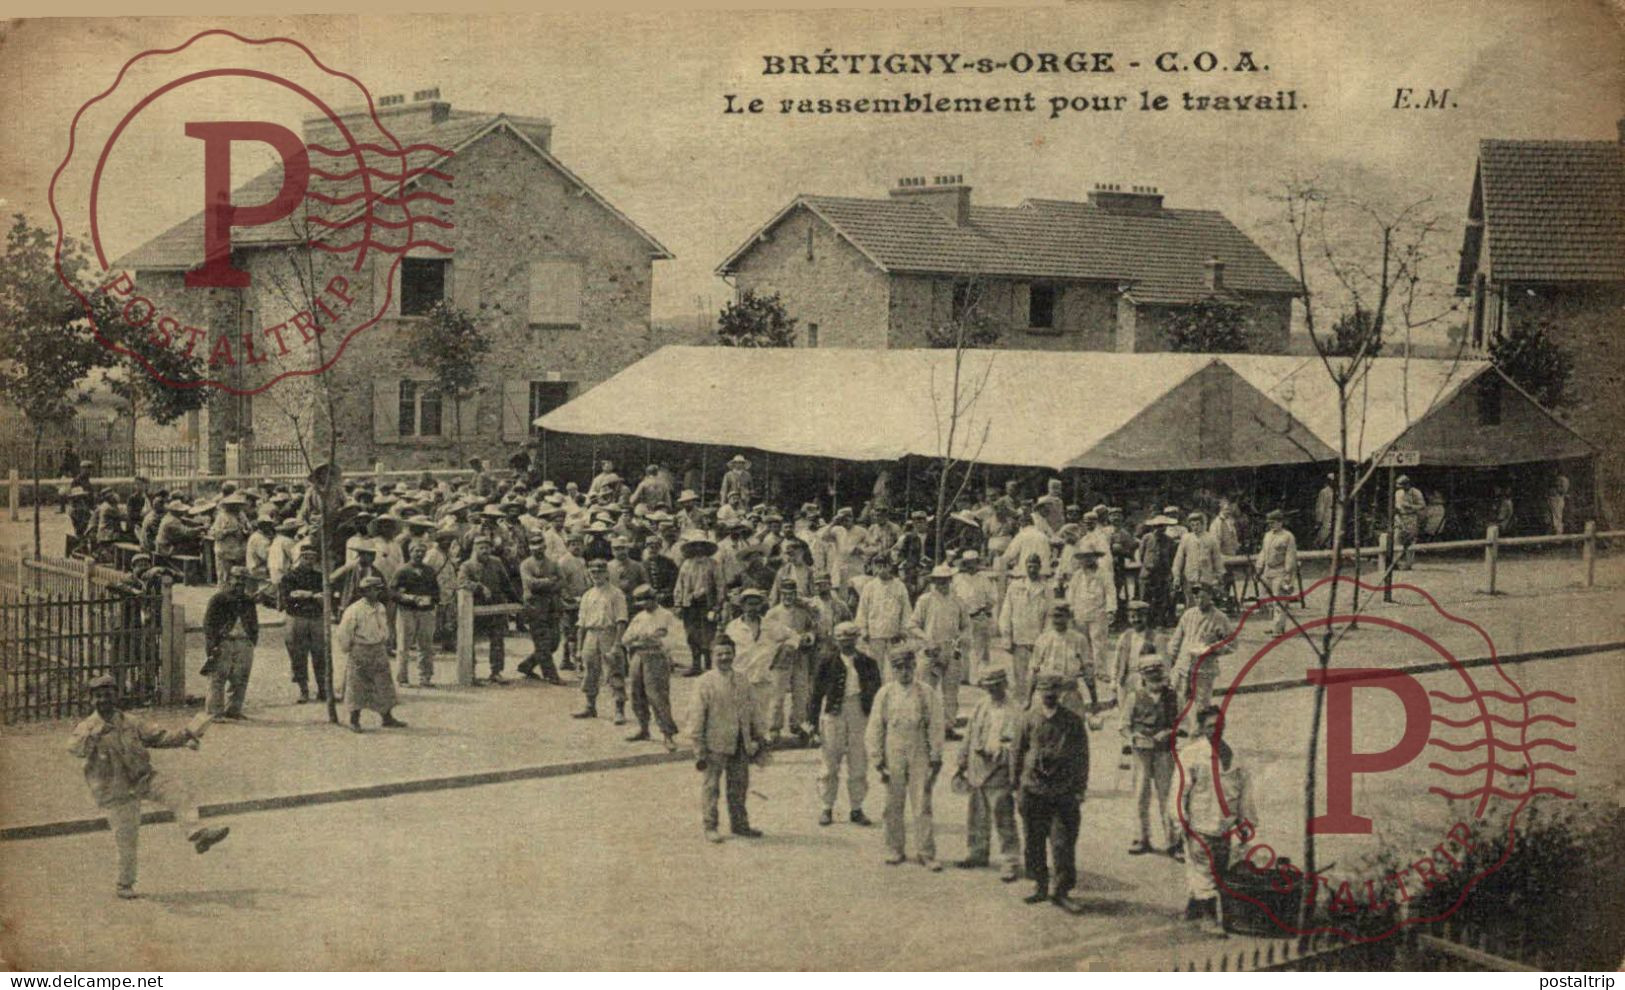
[
  {"x": 451, "y": 344},
  {"x": 47, "y": 344},
  {"x": 1211, "y": 326},
  {"x": 1531, "y": 356},
  {"x": 1352, "y": 331},
  {"x": 756, "y": 321},
  {"x": 142, "y": 392}
]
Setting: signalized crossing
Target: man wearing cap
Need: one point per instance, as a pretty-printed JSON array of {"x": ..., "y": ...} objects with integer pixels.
[
  {"x": 111, "y": 522},
  {"x": 1022, "y": 619},
  {"x": 230, "y": 532},
  {"x": 574, "y": 580},
  {"x": 120, "y": 775},
  {"x": 796, "y": 568},
  {"x": 661, "y": 568},
  {"x": 698, "y": 597},
  {"x": 842, "y": 697},
  {"x": 363, "y": 564},
  {"x": 1093, "y": 600},
  {"x": 1195, "y": 650},
  {"x": 301, "y": 595},
  {"x": 1050, "y": 763},
  {"x": 1137, "y": 642},
  {"x": 883, "y": 610},
  {"x": 736, "y": 481},
  {"x": 757, "y": 645},
  {"x": 258, "y": 551},
  {"x": 831, "y": 609},
  {"x": 1062, "y": 651},
  {"x": 1197, "y": 561},
  {"x": 540, "y": 581},
  {"x": 1277, "y": 564},
  {"x": 1029, "y": 541},
  {"x": 487, "y": 577},
  {"x": 416, "y": 593},
  {"x": 231, "y": 627},
  {"x": 939, "y": 623},
  {"x": 1209, "y": 819},
  {"x": 881, "y": 536},
  {"x": 984, "y": 772},
  {"x": 1150, "y": 714},
  {"x": 792, "y": 665},
  {"x": 905, "y": 739},
  {"x": 649, "y": 639},
  {"x": 362, "y": 637},
  {"x": 1409, "y": 504},
  {"x": 977, "y": 596},
  {"x": 727, "y": 736},
  {"x": 600, "y": 621},
  {"x": 624, "y": 572}
]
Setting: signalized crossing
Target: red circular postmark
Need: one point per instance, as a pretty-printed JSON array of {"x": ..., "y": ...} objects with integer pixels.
[
  {"x": 265, "y": 280},
  {"x": 1390, "y": 747}
]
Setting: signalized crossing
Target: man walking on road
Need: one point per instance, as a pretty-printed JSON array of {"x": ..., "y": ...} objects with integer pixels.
[
  {"x": 727, "y": 736},
  {"x": 648, "y": 640},
  {"x": 1194, "y": 648},
  {"x": 1151, "y": 713},
  {"x": 1277, "y": 564},
  {"x": 843, "y": 695},
  {"x": 120, "y": 775},
  {"x": 231, "y": 628},
  {"x": 984, "y": 770},
  {"x": 1051, "y": 764},
  {"x": 905, "y": 739}
]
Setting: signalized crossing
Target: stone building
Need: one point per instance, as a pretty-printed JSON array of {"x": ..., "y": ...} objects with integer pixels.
[
  {"x": 1104, "y": 274},
  {"x": 1545, "y": 245},
  {"x": 496, "y": 225}
]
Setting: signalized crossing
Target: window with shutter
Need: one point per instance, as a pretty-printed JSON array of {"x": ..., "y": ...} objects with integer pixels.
[
  {"x": 555, "y": 293},
  {"x": 515, "y": 409}
]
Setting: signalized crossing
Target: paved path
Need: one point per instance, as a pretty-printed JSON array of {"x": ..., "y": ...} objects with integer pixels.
[{"x": 608, "y": 871}]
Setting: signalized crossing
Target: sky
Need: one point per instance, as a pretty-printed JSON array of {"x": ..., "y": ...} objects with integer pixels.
[{"x": 636, "y": 100}]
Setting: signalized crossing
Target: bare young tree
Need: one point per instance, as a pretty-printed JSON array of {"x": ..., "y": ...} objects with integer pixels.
[
  {"x": 960, "y": 438},
  {"x": 1360, "y": 261}
]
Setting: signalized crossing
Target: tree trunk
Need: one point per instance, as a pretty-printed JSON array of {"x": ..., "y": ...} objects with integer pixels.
[{"x": 39, "y": 433}]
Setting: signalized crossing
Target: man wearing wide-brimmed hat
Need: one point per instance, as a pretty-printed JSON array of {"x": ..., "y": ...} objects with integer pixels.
[
  {"x": 230, "y": 532},
  {"x": 121, "y": 775},
  {"x": 1156, "y": 555},
  {"x": 939, "y": 622},
  {"x": 736, "y": 480},
  {"x": 984, "y": 772},
  {"x": 980, "y": 600},
  {"x": 698, "y": 597}
]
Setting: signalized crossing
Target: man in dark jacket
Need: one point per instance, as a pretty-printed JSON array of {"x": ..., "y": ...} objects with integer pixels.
[
  {"x": 231, "y": 628},
  {"x": 416, "y": 592},
  {"x": 843, "y": 691},
  {"x": 1050, "y": 764},
  {"x": 303, "y": 635}
]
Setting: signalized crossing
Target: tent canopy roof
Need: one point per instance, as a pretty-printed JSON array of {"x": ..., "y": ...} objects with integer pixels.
[{"x": 1046, "y": 409}]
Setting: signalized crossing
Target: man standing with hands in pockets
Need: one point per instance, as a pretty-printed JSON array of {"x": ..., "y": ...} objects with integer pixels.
[{"x": 905, "y": 739}]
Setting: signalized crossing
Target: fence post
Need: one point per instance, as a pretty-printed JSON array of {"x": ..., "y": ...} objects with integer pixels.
[
  {"x": 16, "y": 488},
  {"x": 378, "y": 473},
  {"x": 1588, "y": 551},
  {"x": 1385, "y": 553},
  {"x": 171, "y": 651},
  {"x": 1491, "y": 536},
  {"x": 465, "y": 637}
]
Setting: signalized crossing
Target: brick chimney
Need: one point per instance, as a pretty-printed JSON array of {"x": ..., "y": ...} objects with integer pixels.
[
  {"x": 947, "y": 194},
  {"x": 1214, "y": 278},
  {"x": 1134, "y": 199}
]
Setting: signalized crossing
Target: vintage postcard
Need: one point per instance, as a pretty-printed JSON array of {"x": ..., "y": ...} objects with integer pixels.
[{"x": 1113, "y": 486}]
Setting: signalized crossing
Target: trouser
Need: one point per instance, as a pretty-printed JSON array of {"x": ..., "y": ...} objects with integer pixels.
[
  {"x": 1021, "y": 658},
  {"x": 231, "y": 670},
  {"x": 909, "y": 783},
  {"x": 976, "y": 657},
  {"x": 306, "y": 650},
  {"x": 1206, "y": 857},
  {"x": 1097, "y": 630},
  {"x": 543, "y": 626},
  {"x": 699, "y": 630},
  {"x": 124, "y": 818},
  {"x": 1159, "y": 595},
  {"x": 445, "y": 625},
  {"x": 1277, "y": 582},
  {"x": 567, "y": 631},
  {"x": 651, "y": 689},
  {"x": 1153, "y": 770},
  {"x": 992, "y": 806},
  {"x": 1198, "y": 682},
  {"x": 603, "y": 661},
  {"x": 495, "y": 630},
  {"x": 1405, "y": 533},
  {"x": 737, "y": 768},
  {"x": 952, "y": 670},
  {"x": 414, "y": 631},
  {"x": 878, "y": 650},
  {"x": 1052, "y": 831},
  {"x": 224, "y": 561},
  {"x": 791, "y": 690},
  {"x": 843, "y": 734}
]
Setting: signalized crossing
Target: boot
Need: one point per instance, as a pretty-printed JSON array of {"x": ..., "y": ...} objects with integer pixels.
[
  {"x": 620, "y": 713},
  {"x": 391, "y": 722},
  {"x": 304, "y": 695},
  {"x": 355, "y": 722},
  {"x": 591, "y": 711},
  {"x": 641, "y": 734}
]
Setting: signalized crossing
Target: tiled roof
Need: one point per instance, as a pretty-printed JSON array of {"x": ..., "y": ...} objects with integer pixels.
[
  {"x": 1161, "y": 254},
  {"x": 1554, "y": 211},
  {"x": 181, "y": 246}
]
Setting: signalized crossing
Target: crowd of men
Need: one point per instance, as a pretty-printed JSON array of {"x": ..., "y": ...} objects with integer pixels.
[{"x": 829, "y": 628}]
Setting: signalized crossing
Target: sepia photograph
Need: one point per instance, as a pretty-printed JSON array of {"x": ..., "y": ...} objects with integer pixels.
[{"x": 1104, "y": 486}]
